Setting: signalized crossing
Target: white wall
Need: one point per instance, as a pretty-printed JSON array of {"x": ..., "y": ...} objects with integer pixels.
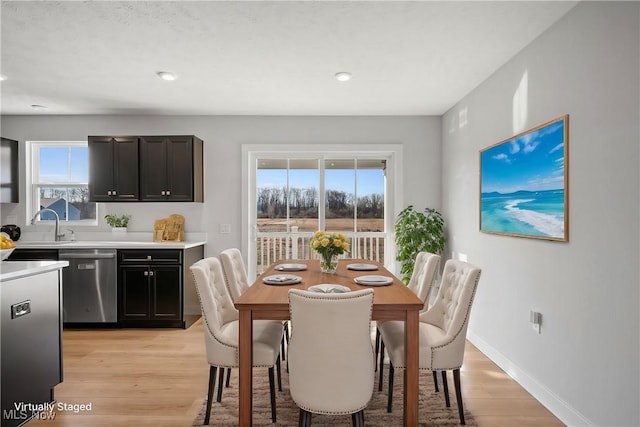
[
  {"x": 584, "y": 364},
  {"x": 223, "y": 137}
]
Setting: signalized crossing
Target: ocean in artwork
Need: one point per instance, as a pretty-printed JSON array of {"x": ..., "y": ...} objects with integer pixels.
[{"x": 530, "y": 213}]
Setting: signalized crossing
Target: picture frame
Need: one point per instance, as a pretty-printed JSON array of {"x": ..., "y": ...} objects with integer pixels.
[{"x": 524, "y": 185}]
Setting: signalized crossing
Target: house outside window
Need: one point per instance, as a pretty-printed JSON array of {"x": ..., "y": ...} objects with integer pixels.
[{"x": 59, "y": 180}]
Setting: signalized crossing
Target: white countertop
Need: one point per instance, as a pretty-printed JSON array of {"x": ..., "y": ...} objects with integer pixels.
[
  {"x": 11, "y": 270},
  {"x": 98, "y": 240},
  {"x": 108, "y": 244}
]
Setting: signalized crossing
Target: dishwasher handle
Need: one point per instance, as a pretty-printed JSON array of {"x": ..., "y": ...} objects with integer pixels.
[{"x": 86, "y": 255}]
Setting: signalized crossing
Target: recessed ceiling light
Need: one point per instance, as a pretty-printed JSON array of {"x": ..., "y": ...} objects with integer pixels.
[
  {"x": 166, "y": 75},
  {"x": 343, "y": 76},
  {"x": 39, "y": 107}
]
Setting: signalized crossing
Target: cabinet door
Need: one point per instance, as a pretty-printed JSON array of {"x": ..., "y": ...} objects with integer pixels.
[
  {"x": 9, "y": 171},
  {"x": 166, "y": 291},
  {"x": 100, "y": 168},
  {"x": 113, "y": 168},
  {"x": 153, "y": 168},
  {"x": 134, "y": 293},
  {"x": 180, "y": 168},
  {"x": 126, "y": 168}
]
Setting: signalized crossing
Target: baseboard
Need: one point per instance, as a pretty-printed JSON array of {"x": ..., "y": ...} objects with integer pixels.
[{"x": 558, "y": 407}]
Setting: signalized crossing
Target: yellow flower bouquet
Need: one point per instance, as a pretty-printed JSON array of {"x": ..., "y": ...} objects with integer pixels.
[{"x": 329, "y": 246}]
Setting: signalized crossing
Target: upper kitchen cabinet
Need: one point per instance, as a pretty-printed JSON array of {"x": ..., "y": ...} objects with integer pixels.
[
  {"x": 9, "y": 171},
  {"x": 113, "y": 168},
  {"x": 171, "y": 168}
]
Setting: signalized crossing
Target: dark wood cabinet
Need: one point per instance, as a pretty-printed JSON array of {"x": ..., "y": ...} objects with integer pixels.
[
  {"x": 31, "y": 343},
  {"x": 9, "y": 171},
  {"x": 113, "y": 168},
  {"x": 171, "y": 168},
  {"x": 151, "y": 288}
]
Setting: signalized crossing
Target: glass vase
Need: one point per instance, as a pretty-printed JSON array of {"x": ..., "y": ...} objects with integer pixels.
[{"x": 328, "y": 263}]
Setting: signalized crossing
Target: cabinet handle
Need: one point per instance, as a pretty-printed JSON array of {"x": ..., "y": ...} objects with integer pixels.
[
  {"x": 162, "y": 193},
  {"x": 108, "y": 192},
  {"x": 168, "y": 193},
  {"x": 113, "y": 193},
  {"x": 146, "y": 273},
  {"x": 151, "y": 273}
]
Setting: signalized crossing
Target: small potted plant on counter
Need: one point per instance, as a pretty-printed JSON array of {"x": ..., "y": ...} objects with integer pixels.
[{"x": 117, "y": 222}]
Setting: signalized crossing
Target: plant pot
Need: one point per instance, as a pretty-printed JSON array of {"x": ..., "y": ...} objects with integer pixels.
[{"x": 118, "y": 229}]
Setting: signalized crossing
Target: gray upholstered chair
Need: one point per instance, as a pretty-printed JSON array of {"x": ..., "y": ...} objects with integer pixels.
[
  {"x": 331, "y": 361},
  {"x": 421, "y": 282},
  {"x": 220, "y": 319},
  {"x": 443, "y": 329}
]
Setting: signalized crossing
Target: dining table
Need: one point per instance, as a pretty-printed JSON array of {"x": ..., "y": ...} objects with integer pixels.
[{"x": 392, "y": 301}]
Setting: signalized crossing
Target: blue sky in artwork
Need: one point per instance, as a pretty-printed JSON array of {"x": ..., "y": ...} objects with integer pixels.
[{"x": 533, "y": 162}]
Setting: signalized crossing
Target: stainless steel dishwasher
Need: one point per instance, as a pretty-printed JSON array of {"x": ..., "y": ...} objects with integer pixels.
[{"x": 89, "y": 286}]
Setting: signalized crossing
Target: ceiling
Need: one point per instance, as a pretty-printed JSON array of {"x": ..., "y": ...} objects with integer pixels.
[{"x": 258, "y": 58}]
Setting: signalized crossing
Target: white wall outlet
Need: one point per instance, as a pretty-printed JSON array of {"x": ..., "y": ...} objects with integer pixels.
[{"x": 225, "y": 228}]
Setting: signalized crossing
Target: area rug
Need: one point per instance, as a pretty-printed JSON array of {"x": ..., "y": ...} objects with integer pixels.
[{"x": 433, "y": 411}]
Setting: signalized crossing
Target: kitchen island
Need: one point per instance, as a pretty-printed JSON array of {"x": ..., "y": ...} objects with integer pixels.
[{"x": 31, "y": 336}]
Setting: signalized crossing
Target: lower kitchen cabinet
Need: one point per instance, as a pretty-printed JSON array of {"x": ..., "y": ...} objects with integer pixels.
[
  {"x": 151, "y": 288},
  {"x": 151, "y": 293}
]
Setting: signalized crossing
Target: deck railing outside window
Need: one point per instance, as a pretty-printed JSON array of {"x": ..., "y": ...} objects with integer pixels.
[{"x": 277, "y": 246}]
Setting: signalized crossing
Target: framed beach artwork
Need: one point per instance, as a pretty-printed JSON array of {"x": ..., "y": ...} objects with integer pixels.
[{"x": 524, "y": 187}]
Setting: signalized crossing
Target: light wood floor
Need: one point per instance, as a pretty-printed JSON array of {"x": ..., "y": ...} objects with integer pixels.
[{"x": 158, "y": 377}]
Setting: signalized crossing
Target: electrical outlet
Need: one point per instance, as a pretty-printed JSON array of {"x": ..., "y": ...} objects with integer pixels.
[
  {"x": 225, "y": 228},
  {"x": 536, "y": 320}
]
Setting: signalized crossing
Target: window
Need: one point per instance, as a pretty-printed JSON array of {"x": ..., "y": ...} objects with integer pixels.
[
  {"x": 293, "y": 192},
  {"x": 59, "y": 180}
]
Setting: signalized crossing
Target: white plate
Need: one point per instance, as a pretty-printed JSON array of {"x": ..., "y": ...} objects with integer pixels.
[
  {"x": 362, "y": 267},
  {"x": 329, "y": 289},
  {"x": 282, "y": 279},
  {"x": 291, "y": 267},
  {"x": 372, "y": 280}
]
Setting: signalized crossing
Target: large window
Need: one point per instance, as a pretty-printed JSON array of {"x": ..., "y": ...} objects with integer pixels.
[
  {"x": 59, "y": 180},
  {"x": 292, "y": 193}
]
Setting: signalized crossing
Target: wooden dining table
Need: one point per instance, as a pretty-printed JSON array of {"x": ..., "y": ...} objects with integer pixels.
[{"x": 391, "y": 302}]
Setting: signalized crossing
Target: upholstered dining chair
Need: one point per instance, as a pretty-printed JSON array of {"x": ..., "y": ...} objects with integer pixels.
[
  {"x": 421, "y": 282},
  {"x": 220, "y": 319},
  {"x": 442, "y": 328},
  {"x": 235, "y": 276},
  {"x": 331, "y": 362}
]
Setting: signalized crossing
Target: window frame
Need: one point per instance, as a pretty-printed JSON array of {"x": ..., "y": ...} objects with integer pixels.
[
  {"x": 32, "y": 151},
  {"x": 392, "y": 153}
]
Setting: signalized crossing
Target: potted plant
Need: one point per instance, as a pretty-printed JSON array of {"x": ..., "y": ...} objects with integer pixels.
[
  {"x": 417, "y": 232},
  {"x": 118, "y": 223}
]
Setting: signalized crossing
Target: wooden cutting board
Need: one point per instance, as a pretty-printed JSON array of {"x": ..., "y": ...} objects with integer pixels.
[{"x": 169, "y": 229}]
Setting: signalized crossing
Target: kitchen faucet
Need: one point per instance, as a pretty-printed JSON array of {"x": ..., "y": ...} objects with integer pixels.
[{"x": 58, "y": 236}]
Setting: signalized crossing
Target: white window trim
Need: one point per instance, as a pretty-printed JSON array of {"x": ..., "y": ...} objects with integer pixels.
[
  {"x": 393, "y": 197},
  {"x": 32, "y": 164}
]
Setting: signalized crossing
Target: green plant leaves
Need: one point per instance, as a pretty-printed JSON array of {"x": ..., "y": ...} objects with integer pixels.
[{"x": 417, "y": 232}]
